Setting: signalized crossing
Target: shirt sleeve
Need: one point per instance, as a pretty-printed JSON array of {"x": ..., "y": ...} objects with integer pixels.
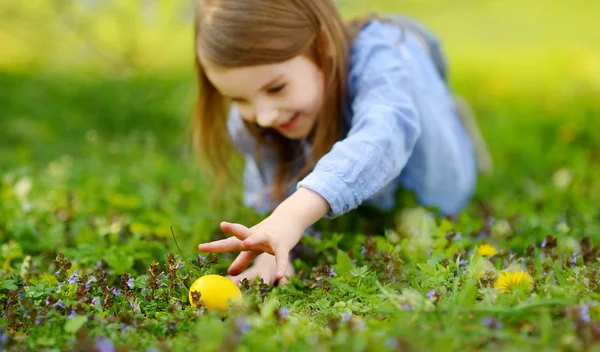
[
  {"x": 384, "y": 129},
  {"x": 255, "y": 176}
]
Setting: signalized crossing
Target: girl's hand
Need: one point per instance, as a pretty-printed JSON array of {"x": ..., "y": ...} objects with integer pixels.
[{"x": 276, "y": 235}]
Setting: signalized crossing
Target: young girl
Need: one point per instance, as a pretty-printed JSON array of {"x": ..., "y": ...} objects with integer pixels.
[{"x": 328, "y": 116}]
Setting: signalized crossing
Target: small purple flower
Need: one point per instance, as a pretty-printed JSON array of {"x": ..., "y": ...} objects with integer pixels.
[
  {"x": 172, "y": 326},
  {"x": 38, "y": 322},
  {"x": 130, "y": 283},
  {"x": 201, "y": 258},
  {"x": 92, "y": 279},
  {"x": 363, "y": 250},
  {"x": 430, "y": 293},
  {"x": 74, "y": 278},
  {"x": 21, "y": 293},
  {"x": 284, "y": 312},
  {"x": 332, "y": 272},
  {"x": 242, "y": 326},
  {"x": 391, "y": 343},
  {"x": 406, "y": 306},
  {"x": 104, "y": 345},
  {"x": 123, "y": 328},
  {"x": 585, "y": 313},
  {"x": 98, "y": 264},
  {"x": 131, "y": 305},
  {"x": 58, "y": 304},
  {"x": 57, "y": 274},
  {"x": 116, "y": 292},
  {"x": 72, "y": 315},
  {"x": 360, "y": 324},
  {"x": 60, "y": 285},
  {"x": 317, "y": 235},
  {"x": 573, "y": 260},
  {"x": 346, "y": 317},
  {"x": 96, "y": 301},
  {"x": 491, "y": 323}
]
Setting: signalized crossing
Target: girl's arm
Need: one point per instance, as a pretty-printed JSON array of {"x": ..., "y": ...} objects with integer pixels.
[{"x": 384, "y": 130}]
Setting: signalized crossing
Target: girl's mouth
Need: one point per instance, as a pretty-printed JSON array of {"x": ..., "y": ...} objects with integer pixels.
[{"x": 290, "y": 124}]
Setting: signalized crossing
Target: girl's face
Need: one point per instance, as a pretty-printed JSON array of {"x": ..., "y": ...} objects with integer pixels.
[{"x": 285, "y": 96}]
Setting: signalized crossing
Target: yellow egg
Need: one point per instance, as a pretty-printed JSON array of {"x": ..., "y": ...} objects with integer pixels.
[{"x": 216, "y": 291}]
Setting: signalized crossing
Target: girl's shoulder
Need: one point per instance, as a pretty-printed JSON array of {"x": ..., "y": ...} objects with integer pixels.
[{"x": 376, "y": 46}]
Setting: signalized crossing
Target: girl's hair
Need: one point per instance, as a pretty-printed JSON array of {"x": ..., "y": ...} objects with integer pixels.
[{"x": 235, "y": 33}]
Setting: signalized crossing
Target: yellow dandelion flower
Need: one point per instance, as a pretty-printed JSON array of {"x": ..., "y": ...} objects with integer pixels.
[
  {"x": 487, "y": 251},
  {"x": 509, "y": 280}
]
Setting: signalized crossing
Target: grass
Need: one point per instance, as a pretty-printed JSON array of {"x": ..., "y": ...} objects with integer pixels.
[{"x": 96, "y": 168}]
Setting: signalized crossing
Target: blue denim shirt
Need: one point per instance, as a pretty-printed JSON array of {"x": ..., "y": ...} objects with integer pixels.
[{"x": 401, "y": 130}]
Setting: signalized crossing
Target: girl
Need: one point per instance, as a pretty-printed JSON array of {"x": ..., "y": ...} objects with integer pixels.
[{"x": 327, "y": 115}]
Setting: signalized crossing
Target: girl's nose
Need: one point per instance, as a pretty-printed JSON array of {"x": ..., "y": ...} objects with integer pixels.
[{"x": 266, "y": 117}]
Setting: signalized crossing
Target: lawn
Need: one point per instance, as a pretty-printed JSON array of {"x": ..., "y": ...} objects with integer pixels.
[{"x": 98, "y": 179}]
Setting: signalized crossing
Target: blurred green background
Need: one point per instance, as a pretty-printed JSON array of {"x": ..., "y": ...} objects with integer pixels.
[{"x": 96, "y": 99}]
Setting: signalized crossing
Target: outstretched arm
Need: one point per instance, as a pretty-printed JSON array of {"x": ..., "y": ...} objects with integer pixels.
[{"x": 276, "y": 235}]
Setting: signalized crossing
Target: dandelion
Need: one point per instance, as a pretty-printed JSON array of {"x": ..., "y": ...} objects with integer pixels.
[
  {"x": 487, "y": 250},
  {"x": 508, "y": 281}
]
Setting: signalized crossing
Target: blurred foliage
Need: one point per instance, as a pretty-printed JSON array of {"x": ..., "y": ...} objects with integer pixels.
[{"x": 96, "y": 164}]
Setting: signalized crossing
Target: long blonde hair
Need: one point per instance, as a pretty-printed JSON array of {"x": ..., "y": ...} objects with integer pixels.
[{"x": 236, "y": 33}]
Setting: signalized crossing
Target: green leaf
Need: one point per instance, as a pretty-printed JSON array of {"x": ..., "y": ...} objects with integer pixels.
[
  {"x": 343, "y": 262},
  {"x": 8, "y": 285},
  {"x": 428, "y": 269},
  {"x": 75, "y": 323}
]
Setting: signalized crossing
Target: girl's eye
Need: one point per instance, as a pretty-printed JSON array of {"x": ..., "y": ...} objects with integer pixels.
[{"x": 276, "y": 89}]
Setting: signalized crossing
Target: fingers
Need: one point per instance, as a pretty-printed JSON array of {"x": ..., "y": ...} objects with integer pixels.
[
  {"x": 221, "y": 246},
  {"x": 282, "y": 259},
  {"x": 242, "y": 261},
  {"x": 238, "y": 230}
]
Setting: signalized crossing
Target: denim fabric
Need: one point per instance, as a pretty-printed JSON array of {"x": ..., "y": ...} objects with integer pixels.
[{"x": 401, "y": 129}]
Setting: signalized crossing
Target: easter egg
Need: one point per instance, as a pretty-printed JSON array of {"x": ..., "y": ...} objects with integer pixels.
[{"x": 216, "y": 292}]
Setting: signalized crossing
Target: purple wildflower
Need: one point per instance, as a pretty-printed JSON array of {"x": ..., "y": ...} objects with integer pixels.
[
  {"x": 92, "y": 279},
  {"x": 172, "y": 326},
  {"x": 58, "y": 304},
  {"x": 104, "y": 345},
  {"x": 96, "y": 301},
  {"x": 431, "y": 293},
  {"x": 391, "y": 343},
  {"x": 585, "y": 313},
  {"x": 72, "y": 315},
  {"x": 346, "y": 317},
  {"x": 130, "y": 283},
  {"x": 332, "y": 272},
  {"x": 242, "y": 325},
  {"x": 491, "y": 323},
  {"x": 363, "y": 250},
  {"x": 116, "y": 292},
  {"x": 284, "y": 312},
  {"x": 74, "y": 278}
]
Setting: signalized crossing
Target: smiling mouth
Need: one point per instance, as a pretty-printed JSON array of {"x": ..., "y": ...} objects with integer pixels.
[{"x": 290, "y": 123}]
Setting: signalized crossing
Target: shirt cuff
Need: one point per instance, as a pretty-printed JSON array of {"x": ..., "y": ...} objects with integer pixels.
[{"x": 334, "y": 190}]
